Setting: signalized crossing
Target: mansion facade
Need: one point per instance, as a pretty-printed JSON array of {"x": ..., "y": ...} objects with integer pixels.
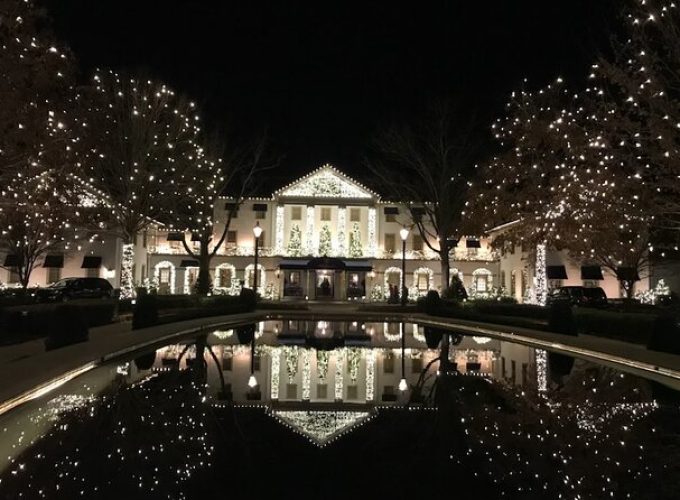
[{"x": 325, "y": 236}]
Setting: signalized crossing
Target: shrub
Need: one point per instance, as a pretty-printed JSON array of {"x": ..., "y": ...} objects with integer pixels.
[
  {"x": 248, "y": 298},
  {"x": 499, "y": 308},
  {"x": 628, "y": 327},
  {"x": 67, "y": 325},
  {"x": 430, "y": 304},
  {"x": 665, "y": 335},
  {"x": 561, "y": 319},
  {"x": 145, "y": 312}
]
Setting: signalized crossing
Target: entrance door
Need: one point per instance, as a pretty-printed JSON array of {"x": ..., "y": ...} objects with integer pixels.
[{"x": 325, "y": 284}]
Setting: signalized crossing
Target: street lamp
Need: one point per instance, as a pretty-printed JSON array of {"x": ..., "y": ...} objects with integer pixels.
[
  {"x": 252, "y": 381},
  {"x": 257, "y": 231},
  {"x": 404, "y": 236},
  {"x": 403, "y": 385}
]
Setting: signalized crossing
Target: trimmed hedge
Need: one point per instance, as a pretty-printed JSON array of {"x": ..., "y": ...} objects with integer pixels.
[
  {"x": 628, "y": 327},
  {"x": 665, "y": 335},
  {"x": 36, "y": 319},
  {"x": 68, "y": 325}
]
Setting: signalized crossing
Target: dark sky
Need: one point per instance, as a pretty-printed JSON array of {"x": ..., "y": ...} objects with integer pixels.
[{"x": 322, "y": 75}]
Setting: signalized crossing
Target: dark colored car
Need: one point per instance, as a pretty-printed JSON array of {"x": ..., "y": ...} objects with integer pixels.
[
  {"x": 77, "y": 288},
  {"x": 578, "y": 296}
]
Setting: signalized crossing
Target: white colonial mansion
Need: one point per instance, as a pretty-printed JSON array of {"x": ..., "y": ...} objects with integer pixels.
[{"x": 324, "y": 236}]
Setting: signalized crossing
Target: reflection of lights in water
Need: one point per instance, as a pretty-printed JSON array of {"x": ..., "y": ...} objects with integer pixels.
[
  {"x": 403, "y": 385},
  {"x": 481, "y": 340},
  {"x": 123, "y": 369},
  {"x": 223, "y": 334},
  {"x": 252, "y": 381},
  {"x": 321, "y": 427}
]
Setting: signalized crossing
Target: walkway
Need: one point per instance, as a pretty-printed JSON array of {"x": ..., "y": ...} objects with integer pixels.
[{"x": 26, "y": 366}]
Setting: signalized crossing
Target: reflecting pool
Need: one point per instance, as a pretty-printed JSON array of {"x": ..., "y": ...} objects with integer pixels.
[{"x": 325, "y": 409}]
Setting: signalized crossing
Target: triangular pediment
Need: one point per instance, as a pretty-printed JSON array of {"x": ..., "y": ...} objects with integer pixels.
[
  {"x": 321, "y": 426},
  {"x": 326, "y": 182}
]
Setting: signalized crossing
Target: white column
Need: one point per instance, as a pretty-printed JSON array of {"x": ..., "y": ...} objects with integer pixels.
[
  {"x": 278, "y": 230},
  {"x": 342, "y": 227},
  {"x": 339, "y": 373},
  {"x": 372, "y": 232},
  {"x": 306, "y": 375},
  {"x": 370, "y": 374},
  {"x": 309, "y": 231},
  {"x": 540, "y": 278},
  {"x": 275, "y": 353}
]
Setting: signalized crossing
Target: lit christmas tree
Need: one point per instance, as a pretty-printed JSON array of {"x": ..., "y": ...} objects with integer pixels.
[
  {"x": 295, "y": 242},
  {"x": 355, "y": 248},
  {"x": 325, "y": 241}
]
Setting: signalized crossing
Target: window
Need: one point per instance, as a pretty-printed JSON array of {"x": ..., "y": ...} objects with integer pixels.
[
  {"x": 352, "y": 392},
  {"x": 423, "y": 282},
  {"x": 224, "y": 275},
  {"x": 390, "y": 241},
  {"x": 482, "y": 282},
  {"x": 164, "y": 276},
  {"x": 291, "y": 391},
  {"x": 390, "y": 218},
  {"x": 321, "y": 391},
  {"x": 416, "y": 365},
  {"x": 354, "y": 215},
  {"x": 296, "y": 213},
  {"x": 326, "y": 214},
  {"x": 513, "y": 284},
  {"x": 231, "y": 237},
  {"x": 13, "y": 275},
  {"x": 513, "y": 370},
  {"x": 388, "y": 363},
  {"x": 502, "y": 279},
  {"x": 234, "y": 214},
  {"x": 260, "y": 214},
  {"x": 53, "y": 274},
  {"x": 417, "y": 243}
]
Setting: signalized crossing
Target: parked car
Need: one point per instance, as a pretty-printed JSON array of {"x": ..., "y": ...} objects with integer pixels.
[
  {"x": 77, "y": 288},
  {"x": 578, "y": 296}
]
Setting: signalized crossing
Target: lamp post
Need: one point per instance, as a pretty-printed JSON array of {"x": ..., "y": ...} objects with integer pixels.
[
  {"x": 403, "y": 385},
  {"x": 404, "y": 236},
  {"x": 252, "y": 381},
  {"x": 257, "y": 231}
]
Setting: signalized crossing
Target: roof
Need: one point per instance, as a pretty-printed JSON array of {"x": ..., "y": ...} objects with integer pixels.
[{"x": 326, "y": 182}]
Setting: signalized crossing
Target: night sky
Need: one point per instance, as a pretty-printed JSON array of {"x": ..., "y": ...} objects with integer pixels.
[{"x": 324, "y": 76}]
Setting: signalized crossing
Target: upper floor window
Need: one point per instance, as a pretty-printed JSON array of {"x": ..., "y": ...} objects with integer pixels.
[
  {"x": 231, "y": 237},
  {"x": 296, "y": 213},
  {"x": 325, "y": 214},
  {"x": 260, "y": 214},
  {"x": 417, "y": 243},
  {"x": 354, "y": 215},
  {"x": 390, "y": 241},
  {"x": 390, "y": 218}
]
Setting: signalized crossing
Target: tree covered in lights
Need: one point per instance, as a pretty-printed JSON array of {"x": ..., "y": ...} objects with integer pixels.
[
  {"x": 36, "y": 78},
  {"x": 427, "y": 164},
  {"x": 295, "y": 242},
  {"x": 560, "y": 178},
  {"x": 38, "y": 215},
  {"x": 355, "y": 248},
  {"x": 325, "y": 243},
  {"x": 137, "y": 137},
  {"x": 215, "y": 173}
]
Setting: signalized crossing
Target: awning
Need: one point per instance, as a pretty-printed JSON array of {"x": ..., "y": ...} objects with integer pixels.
[
  {"x": 189, "y": 263},
  {"x": 11, "y": 260},
  {"x": 54, "y": 261},
  {"x": 326, "y": 263},
  {"x": 627, "y": 274},
  {"x": 358, "y": 265},
  {"x": 591, "y": 273},
  {"x": 473, "y": 244},
  {"x": 556, "y": 272},
  {"x": 91, "y": 262},
  {"x": 293, "y": 264},
  {"x": 175, "y": 236}
]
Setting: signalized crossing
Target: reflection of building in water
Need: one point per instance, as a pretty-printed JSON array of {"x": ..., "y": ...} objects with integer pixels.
[{"x": 362, "y": 364}]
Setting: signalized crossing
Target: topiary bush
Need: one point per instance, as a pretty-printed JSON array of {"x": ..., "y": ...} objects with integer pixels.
[
  {"x": 145, "y": 313},
  {"x": 68, "y": 325}
]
